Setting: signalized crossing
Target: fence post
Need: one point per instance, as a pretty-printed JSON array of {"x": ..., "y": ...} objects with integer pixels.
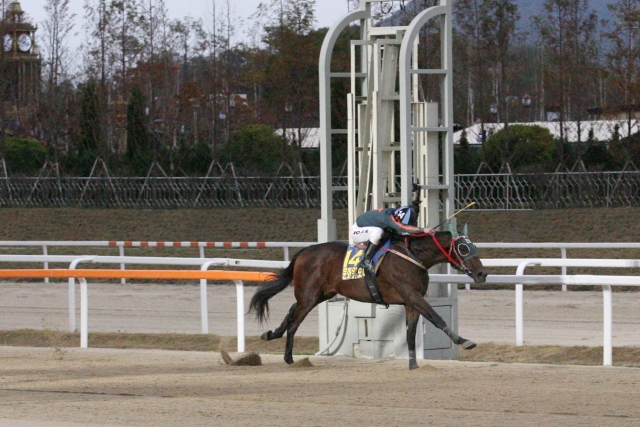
[
  {"x": 204, "y": 303},
  {"x": 508, "y": 204},
  {"x": 520, "y": 303},
  {"x": 608, "y": 189},
  {"x": 563, "y": 252},
  {"x": 607, "y": 347},
  {"x": 72, "y": 292},
  {"x": 122, "y": 266},
  {"x": 84, "y": 314},
  {"x": 240, "y": 306},
  {"x": 45, "y": 252}
]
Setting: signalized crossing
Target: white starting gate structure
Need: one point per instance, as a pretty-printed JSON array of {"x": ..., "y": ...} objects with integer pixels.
[{"x": 400, "y": 124}]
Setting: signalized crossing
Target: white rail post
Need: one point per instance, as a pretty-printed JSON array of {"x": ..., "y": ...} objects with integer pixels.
[
  {"x": 122, "y": 265},
  {"x": 240, "y": 297},
  {"x": 46, "y": 264},
  {"x": 204, "y": 304},
  {"x": 286, "y": 253},
  {"x": 607, "y": 347},
  {"x": 563, "y": 252},
  {"x": 201, "y": 250},
  {"x": 520, "y": 304},
  {"x": 84, "y": 314},
  {"x": 72, "y": 292}
]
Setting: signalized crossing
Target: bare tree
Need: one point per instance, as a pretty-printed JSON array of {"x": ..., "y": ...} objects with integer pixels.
[
  {"x": 57, "y": 30},
  {"x": 4, "y": 83},
  {"x": 96, "y": 43},
  {"x": 124, "y": 34},
  {"x": 623, "y": 60},
  {"x": 568, "y": 31},
  {"x": 484, "y": 45},
  {"x": 56, "y": 96}
]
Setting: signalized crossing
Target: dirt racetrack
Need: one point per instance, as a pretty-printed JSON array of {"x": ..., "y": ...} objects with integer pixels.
[
  {"x": 62, "y": 387},
  {"x": 98, "y": 387}
]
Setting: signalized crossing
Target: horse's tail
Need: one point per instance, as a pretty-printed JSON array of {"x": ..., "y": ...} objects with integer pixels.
[{"x": 269, "y": 288}]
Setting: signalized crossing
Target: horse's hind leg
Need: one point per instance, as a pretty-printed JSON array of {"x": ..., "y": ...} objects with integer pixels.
[
  {"x": 299, "y": 313},
  {"x": 412, "y": 324},
  {"x": 280, "y": 330}
]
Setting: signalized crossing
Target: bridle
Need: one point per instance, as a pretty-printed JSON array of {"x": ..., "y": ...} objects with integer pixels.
[{"x": 462, "y": 249}]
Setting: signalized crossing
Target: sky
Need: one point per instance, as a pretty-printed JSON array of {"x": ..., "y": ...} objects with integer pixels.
[{"x": 327, "y": 11}]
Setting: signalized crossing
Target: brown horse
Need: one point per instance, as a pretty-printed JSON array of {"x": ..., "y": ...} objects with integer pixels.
[{"x": 316, "y": 274}]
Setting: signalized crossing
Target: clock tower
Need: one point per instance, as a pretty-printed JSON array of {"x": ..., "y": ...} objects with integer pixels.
[{"x": 21, "y": 62}]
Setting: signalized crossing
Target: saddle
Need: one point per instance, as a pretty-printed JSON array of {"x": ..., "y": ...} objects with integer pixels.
[{"x": 350, "y": 269}]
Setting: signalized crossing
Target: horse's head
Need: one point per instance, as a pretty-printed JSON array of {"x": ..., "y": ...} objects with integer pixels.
[
  {"x": 463, "y": 256},
  {"x": 454, "y": 247}
]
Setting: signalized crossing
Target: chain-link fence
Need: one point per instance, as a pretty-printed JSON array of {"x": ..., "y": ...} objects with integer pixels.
[
  {"x": 549, "y": 190},
  {"x": 158, "y": 193},
  {"x": 497, "y": 191}
]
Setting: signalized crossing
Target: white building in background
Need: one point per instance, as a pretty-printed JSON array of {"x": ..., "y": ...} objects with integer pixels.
[
  {"x": 603, "y": 130},
  {"x": 310, "y": 137}
]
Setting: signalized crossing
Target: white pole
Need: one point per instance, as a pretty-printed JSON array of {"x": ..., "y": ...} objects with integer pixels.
[
  {"x": 563, "y": 251},
  {"x": 204, "y": 300},
  {"x": 72, "y": 304},
  {"x": 122, "y": 266},
  {"x": 607, "y": 348},
  {"x": 46, "y": 264},
  {"x": 84, "y": 314},
  {"x": 520, "y": 304},
  {"x": 240, "y": 297},
  {"x": 204, "y": 308},
  {"x": 420, "y": 338},
  {"x": 72, "y": 293},
  {"x": 519, "y": 315}
]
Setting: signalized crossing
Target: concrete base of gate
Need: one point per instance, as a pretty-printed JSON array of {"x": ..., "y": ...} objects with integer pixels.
[{"x": 374, "y": 331}]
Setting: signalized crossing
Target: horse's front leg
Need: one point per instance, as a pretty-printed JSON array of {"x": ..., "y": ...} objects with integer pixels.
[
  {"x": 412, "y": 324},
  {"x": 413, "y": 299}
]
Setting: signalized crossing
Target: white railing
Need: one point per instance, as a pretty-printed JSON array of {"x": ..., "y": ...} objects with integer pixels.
[
  {"x": 204, "y": 264},
  {"x": 122, "y": 244},
  {"x": 519, "y": 279},
  {"x": 562, "y": 246},
  {"x": 564, "y": 263}
]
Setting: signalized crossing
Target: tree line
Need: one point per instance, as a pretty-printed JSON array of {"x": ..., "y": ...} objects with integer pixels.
[{"x": 184, "y": 95}]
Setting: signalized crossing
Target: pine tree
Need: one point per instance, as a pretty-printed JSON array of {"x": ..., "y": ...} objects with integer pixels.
[{"x": 138, "y": 141}]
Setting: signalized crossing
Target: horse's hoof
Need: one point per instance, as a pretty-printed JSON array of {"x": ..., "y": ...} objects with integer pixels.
[
  {"x": 266, "y": 336},
  {"x": 468, "y": 345},
  {"x": 289, "y": 361},
  {"x": 413, "y": 365}
]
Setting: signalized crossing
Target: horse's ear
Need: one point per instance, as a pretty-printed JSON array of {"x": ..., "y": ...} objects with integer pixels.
[
  {"x": 465, "y": 230},
  {"x": 453, "y": 231}
]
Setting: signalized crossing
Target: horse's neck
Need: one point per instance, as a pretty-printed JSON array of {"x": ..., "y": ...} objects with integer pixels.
[{"x": 432, "y": 254}]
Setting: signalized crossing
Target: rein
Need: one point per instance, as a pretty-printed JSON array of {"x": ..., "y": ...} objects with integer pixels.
[
  {"x": 446, "y": 254},
  {"x": 457, "y": 265},
  {"x": 408, "y": 258}
]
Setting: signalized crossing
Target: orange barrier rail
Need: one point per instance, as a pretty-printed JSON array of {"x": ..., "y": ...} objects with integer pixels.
[
  {"x": 83, "y": 274},
  {"x": 250, "y": 276}
]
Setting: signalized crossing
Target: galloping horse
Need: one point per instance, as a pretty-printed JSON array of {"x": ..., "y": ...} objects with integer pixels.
[{"x": 316, "y": 274}]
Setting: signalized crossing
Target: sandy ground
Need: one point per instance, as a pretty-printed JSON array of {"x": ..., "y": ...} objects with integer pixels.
[
  {"x": 101, "y": 387},
  {"x": 562, "y": 318},
  {"x": 44, "y": 387}
]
